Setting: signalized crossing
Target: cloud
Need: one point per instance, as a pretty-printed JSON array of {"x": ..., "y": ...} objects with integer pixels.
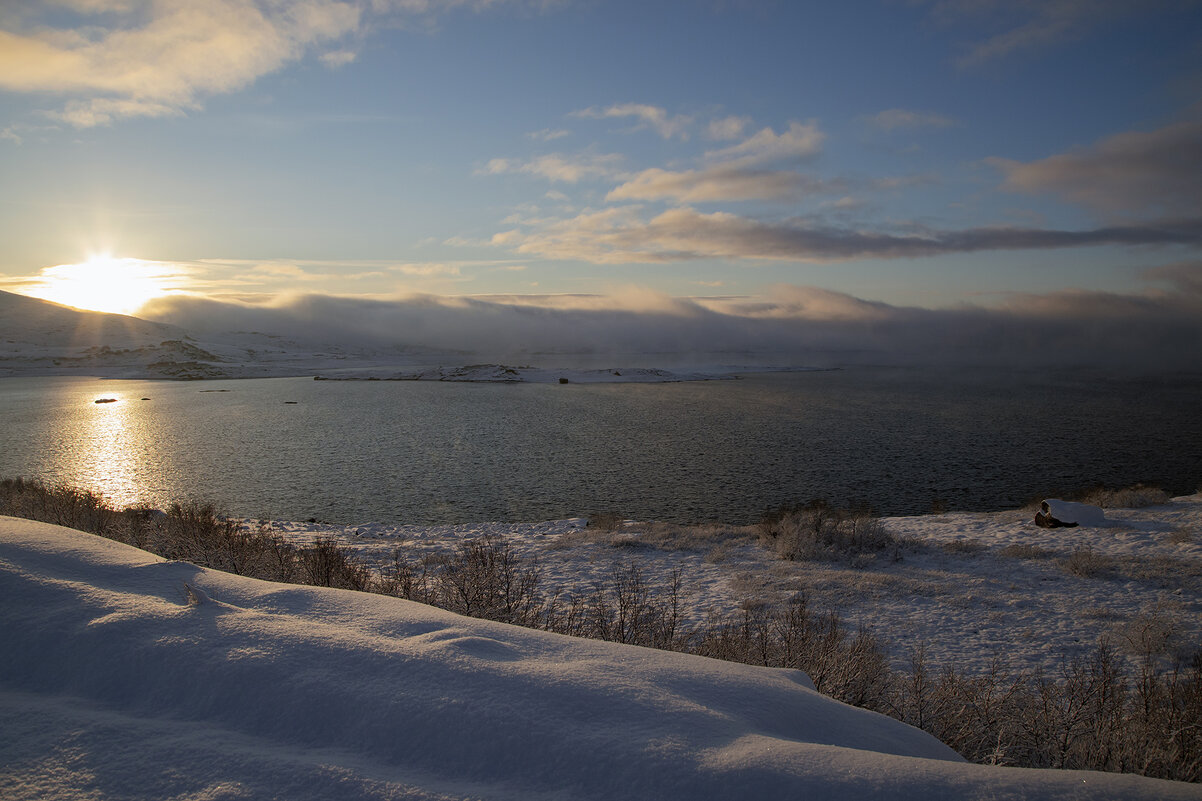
[
  {"x": 549, "y": 134},
  {"x": 1185, "y": 276},
  {"x": 895, "y": 118},
  {"x": 1027, "y": 25},
  {"x": 338, "y": 58},
  {"x": 428, "y": 269},
  {"x": 736, "y": 172},
  {"x": 788, "y": 324},
  {"x": 136, "y": 58},
  {"x": 167, "y": 56},
  {"x": 800, "y": 141},
  {"x": 653, "y": 117},
  {"x": 719, "y": 183},
  {"x": 620, "y": 235},
  {"x": 1136, "y": 172},
  {"x": 558, "y": 167},
  {"x": 727, "y": 128}
]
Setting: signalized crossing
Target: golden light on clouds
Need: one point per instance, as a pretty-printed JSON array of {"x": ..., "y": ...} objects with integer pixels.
[{"x": 105, "y": 284}]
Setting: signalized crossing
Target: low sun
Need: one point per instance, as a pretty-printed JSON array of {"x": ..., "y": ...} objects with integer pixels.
[{"x": 104, "y": 284}]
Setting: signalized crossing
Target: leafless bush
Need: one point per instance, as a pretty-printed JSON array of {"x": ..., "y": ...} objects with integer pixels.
[
  {"x": 819, "y": 532},
  {"x": 608, "y": 521},
  {"x": 1097, "y": 714},
  {"x": 1087, "y": 563},
  {"x": 63, "y": 506},
  {"x": 1135, "y": 497}
]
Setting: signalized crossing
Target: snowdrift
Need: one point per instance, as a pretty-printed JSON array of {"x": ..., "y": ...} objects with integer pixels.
[{"x": 126, "y": 676}]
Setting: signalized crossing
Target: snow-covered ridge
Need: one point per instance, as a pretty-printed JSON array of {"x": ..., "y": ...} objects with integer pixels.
[{"x": 127, "y": 676}]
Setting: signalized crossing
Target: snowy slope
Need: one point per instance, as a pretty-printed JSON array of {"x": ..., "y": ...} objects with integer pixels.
[{"x": 118, "y": 681}]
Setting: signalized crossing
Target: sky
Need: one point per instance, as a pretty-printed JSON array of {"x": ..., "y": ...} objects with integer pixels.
[{"x": 820, "y": 160}]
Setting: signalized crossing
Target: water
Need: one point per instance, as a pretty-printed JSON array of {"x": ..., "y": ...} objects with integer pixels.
[{"x": 896, "y": 440}]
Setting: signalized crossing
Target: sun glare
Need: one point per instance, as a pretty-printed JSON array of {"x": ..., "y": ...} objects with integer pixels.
[{"x": 104, "y": 284}]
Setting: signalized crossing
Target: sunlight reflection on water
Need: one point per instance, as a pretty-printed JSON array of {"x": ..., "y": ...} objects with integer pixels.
[
  {"x": 419, "y": 452},
  {"x": 105, "y": 453}
]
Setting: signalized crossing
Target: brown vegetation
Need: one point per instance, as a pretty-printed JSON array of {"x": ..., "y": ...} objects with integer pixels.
[{"x": 1140, "y": 713}]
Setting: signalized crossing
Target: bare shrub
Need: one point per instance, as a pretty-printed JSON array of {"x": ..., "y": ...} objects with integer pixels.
[
  {"x": 818, "y": 532},
  {"x": 1087, "y": 563},
  {"x": 1096, "y": 714},
  {"x": 61, "y": 505},
  {"x": 487, "y": 579},
  {"x": 324, "y": 563},
  {"x": 1135, "y": 497},
  {"x": 608, "y": 521}
]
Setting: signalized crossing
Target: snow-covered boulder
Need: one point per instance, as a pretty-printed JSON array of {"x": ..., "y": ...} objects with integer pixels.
[{"x": 1054, "y": 513}]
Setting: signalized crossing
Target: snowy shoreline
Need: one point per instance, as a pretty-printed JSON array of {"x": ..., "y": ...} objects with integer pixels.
[{"x": 972, "y": 585}]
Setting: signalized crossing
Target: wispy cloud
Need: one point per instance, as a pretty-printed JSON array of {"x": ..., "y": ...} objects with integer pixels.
[
  {"x": 549, "y": 134},
  {"x": 727, "y": 128},
  {"x": 1033, "y": 25},
  {"x": 162, "y": 58},
  {"x": 622, "y": 235},
  {"x": 1138, "y": 172},
  {"x": 736, "y": 172},
  {"x": 559, "y": 167},
  {"x": 800, "y": 141},
  {"x": 134, "y": 58},
  {"x": 725, "y": 182},
  {"x": 338, "y": 58},
  {"x": 654, "y": 117}
]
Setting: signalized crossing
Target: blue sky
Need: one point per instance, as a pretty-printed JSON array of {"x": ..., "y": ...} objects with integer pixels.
[{"x": 908, "y": 153}]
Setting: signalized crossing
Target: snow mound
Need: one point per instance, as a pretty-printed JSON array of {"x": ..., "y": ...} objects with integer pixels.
[
  {"x": 1083, "y": 514},
  {"x": 128, "y": 676}
]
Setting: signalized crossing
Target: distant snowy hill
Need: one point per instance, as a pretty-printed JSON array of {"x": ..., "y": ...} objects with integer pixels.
[
  {"x": 42, "y": 324},
  {"x": 127, "y": 676},
  {"x": 42, "y": 338}
]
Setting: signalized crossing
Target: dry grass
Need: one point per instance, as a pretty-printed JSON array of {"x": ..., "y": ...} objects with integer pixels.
[
  {"x": 1026, "y": 551},
  {"x": 1180, "y": 536},
  {"x": 965, "y": 547}
]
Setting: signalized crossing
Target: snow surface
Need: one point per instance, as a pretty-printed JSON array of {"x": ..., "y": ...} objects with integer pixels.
[
  {"x": 970, "y": 587},
  {"x": 127, "y": 676}
]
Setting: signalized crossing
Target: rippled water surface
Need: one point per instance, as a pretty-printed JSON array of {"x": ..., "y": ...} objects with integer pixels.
[{"x": 894, "y": 439}]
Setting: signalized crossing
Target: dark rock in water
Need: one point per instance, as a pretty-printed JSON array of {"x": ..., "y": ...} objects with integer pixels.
[
  {"x": 290, "y": 403},
  {"x": 105, "y": 400},
  {"x": 563, "y": 380},
  {"x": 145, "y": 398}
]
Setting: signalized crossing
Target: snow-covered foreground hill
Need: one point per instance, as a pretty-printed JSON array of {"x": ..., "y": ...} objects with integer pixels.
[{"x": 126, "y": 676}]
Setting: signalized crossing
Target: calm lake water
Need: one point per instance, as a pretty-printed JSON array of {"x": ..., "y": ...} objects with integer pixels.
[{"x": 897, "y": 440}]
